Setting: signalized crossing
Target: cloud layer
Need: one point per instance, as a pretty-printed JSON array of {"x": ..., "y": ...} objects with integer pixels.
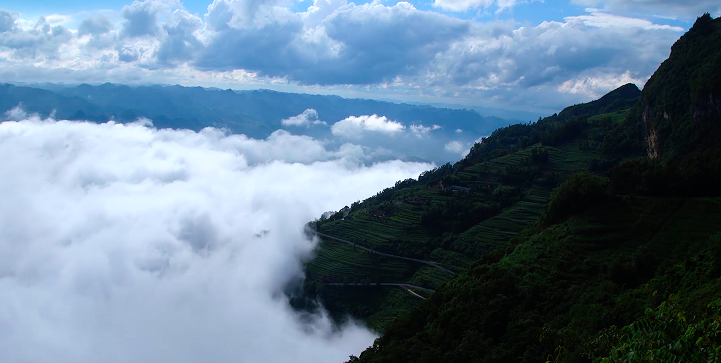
[
  {"x": 122, "y": 243},
  {"x": 465, "y": 5},
  {"x": 307, "y": 118},
  {"x": 354, "y": 127},
  {"x": 685, "y": 9},
  {"x": 394, "y": 48}
]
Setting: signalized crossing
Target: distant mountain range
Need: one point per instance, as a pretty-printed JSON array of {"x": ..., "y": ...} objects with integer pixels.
[{"x": 255, "y": 113}]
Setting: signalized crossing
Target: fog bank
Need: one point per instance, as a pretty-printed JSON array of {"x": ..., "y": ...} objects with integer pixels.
[{"x": 123, "y": 243}]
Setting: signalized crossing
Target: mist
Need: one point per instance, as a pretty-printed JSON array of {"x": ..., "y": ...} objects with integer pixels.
[{"x": 124, "y": 243}]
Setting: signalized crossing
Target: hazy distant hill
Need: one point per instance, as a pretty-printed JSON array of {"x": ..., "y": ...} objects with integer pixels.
[{"x": 254, "y": 113}]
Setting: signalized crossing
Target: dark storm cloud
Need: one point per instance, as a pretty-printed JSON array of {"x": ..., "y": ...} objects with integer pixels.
[{"x": 366, "y": 52}]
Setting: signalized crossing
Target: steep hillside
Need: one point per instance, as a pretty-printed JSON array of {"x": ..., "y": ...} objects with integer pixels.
[
  {"x": 678, "y": 121},
  {"x": 681, "y": 103},
  {"x": 631, "y": 236},
  {"x": 624, "y": 97},
  {"x": 421, "y": 233},
  {"x": 554, "y": 292}
]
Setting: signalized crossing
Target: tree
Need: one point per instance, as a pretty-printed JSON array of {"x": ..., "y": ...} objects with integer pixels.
[
  {"x": 670, "y": 334},
  {"x": 577, "y": 193}
]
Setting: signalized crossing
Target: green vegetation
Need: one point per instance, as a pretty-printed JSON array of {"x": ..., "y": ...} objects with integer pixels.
[
  {"x": 558, "y": 289},
  {"x": 581, "y": 191},
  {"x": 680, "y": 103},
  {"x": 599, "y": 217},
  {"x": 454, "y": 214},
  {"x": 668, "y": 334}
]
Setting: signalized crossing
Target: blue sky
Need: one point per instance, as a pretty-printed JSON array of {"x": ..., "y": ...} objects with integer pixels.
[
  {"x": 533, "y": 12},
  {"x": 518, "y": 54}
]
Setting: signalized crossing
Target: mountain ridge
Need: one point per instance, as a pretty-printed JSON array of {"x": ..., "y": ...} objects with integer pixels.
[
  {"x": 625, "y": 235},
  {"x": 259, "y": 112}
]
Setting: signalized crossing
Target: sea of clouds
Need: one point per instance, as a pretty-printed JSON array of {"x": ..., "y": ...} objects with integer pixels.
[{"x": 124, "y": 243}]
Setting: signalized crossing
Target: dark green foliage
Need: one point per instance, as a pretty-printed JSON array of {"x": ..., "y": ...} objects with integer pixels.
[
  {"x": 668, "y": 334},
  {"x": 506, "y": 195},
  {"x": 694, "y": 174},
  {"x": 559, "y": 133},
  {"x": 680, "y": 105},
  {"x": 563, "y": 286},
  {"x": 539, "y": 156},
  {"x": 455, "y": 214},
  {"x": 562, "y": 128},
  {"x": 608, "y": 251},
  {"x": 436, "y": 174},
  {"x": 577, "y": 193},
  {"x": 520, "y": 174},
  {"x": 620, "y": 98},
  {"x": 502, "y": 142}
]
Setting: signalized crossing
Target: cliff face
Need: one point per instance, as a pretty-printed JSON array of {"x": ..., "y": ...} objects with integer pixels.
[
  {"x": 680, "y": 106},
  {"x": 653, "y": 146},
  {"x": 709, "y": 105}
]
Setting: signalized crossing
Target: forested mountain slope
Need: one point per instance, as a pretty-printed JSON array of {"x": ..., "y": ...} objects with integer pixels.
[
  {"x": 419, "y": 230},
  {"x": 549, "y": 271}
]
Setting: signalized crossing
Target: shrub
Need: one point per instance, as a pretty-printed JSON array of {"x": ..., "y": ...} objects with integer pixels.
[{"x": 577, "y": 193}]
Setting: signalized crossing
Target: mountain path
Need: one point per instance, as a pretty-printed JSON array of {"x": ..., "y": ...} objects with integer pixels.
[
  {"x": 429, "y": 263},
  {"x": 407, "y": 287}
]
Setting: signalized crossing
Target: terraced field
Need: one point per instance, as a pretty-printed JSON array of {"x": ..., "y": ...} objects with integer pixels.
[
  {"x": 335, "y": 261},
  {"x": 372, "y": 231},
  {"x": 394, "y": 225},
  {"x": 499, "y": 229},
  {"x": 617, "y": 116}
]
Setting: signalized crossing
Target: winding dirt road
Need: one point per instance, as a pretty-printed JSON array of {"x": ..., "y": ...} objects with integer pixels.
[
  {"x": 407, "y": 287},
  {"x": 429, "y": 263}
]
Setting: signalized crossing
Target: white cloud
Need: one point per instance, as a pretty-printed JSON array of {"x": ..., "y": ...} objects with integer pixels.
[
  {"x": 525, "y": 66},
  {"x": 684, "y": 9},
  {"x": 96, "y": 25},
  {"x": 38, "y": 41},
  {"x": 354, "y": 126},
  {"x": 459, "y": 131},
  {"x": 141, "y": 17},
  {"x": 307, "y": 118},
  {"x": 7, "y": 21},
  {"x": 465, "y": 5},
  {"x": 181, "y": 42},
  {"x": 596, "y": 86},
  {"x": 421, "y": 131},
  {"x": 121, "y": 243},
  {"x": 598, "y": 18},
  {"x": 457, "y": 147},
  {"x": 352, "y": 45},
  {"x": 368, "y": 49},
  {"x": 16, "y": 113}
]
